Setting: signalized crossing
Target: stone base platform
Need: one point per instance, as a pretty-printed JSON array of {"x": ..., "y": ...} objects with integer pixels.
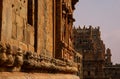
[{"x": 22, "y": 75}]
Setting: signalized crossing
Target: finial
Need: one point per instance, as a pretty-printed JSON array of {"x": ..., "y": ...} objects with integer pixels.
[
  {"x": 90, "y": 27},
  {"x": 98, "y": 27},
  {"x": 108, "y": 51},
  {"x": 84, "y": 27},
  {"x": 79, "y": 27}
]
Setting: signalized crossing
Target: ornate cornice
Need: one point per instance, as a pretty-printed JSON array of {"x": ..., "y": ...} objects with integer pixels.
[{"x": 28, "y": 61}]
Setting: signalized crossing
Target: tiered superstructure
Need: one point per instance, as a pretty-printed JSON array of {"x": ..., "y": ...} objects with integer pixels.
[{"x": 89, "y": 43}]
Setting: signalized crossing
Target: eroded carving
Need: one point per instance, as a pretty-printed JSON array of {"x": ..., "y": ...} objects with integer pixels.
[
  {"x": 34, "y": 61},
  {"x": 18, "y": 60},
  {"x": 31, "y": 61},
  {"x": 3, "y": 56},
  {"x": 9, "y": 54},
  {"x": 8, "y": 60}
]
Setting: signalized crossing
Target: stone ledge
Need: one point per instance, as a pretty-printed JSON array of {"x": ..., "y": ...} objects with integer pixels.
[
  {"x": 28, "y": 61},
  {"x": 20, "y": 75}
]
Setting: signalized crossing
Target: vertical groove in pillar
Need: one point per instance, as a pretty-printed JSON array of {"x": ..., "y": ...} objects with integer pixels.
[
  {"x": 35, "y": 25},
  {"x": 58, "y": 28},
  {"x": 1, "y": 7},
  {"x": 54, "y": 24}
]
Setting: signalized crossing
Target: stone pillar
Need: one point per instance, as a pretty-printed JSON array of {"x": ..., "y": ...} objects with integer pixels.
[{"x": 6, "y": 20}]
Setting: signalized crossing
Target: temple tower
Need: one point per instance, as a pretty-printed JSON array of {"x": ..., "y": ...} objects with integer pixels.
[{"x": 108, "y": 57}]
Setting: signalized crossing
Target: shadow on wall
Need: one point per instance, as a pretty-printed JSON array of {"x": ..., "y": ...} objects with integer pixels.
[{"x": 1, "y": 16}]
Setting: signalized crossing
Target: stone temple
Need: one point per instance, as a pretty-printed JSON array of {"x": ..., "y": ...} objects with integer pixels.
[
  {"x": 96, "y": 59},
  {"x": 36, "y": 40}
]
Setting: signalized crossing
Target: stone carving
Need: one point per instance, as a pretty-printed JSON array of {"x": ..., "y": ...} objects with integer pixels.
[
  {"x": 9, "y": 54},
  {"x": 3, "y": 56},
  {"x": 28, "y": 60},
  {"x": 8, "y": 60},
  {"x": 31, "y": 61},
  {"x": 40, "y": 62},
  {"x": 18, "y": 60}
]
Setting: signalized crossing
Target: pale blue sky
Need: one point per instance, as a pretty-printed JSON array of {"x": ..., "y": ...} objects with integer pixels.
[{"x": 103, "y": 13}]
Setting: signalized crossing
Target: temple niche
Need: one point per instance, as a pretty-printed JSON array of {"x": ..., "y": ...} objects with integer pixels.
[{"x": 36, "y": 36}]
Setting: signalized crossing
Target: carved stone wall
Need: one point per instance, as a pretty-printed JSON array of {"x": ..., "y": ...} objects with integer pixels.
[
  {"x": 64, "y": 22},
  {"x": 29, "y": 36},
  {"x": 31, "y": 39},
  {"x": 19, "y": 32}
]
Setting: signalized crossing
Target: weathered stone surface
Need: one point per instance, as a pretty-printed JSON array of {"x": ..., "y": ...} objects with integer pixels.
[
  {"x": 45, "y": 28},
  {"x": 14, "y": 42},
  {"x": 31, "y": 25},
  {"x": 17, "y": 75},
  {"x": 9, "y": 59},
  {"x": 6, "y": 21},
  {"x": 14, "y": 31},
  {"x": 23, "y": 46},
  {"x": 31, "y": 48},
  {"x": 31, "y": 36}
]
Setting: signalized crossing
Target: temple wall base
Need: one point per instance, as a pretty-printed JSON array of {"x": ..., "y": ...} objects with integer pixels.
[{"x": 21, "y": 75}]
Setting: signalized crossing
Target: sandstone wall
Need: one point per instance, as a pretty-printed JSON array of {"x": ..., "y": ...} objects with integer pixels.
[
  {"x": 18, "y": 32},
  {"x": 14, "y": 23},
  {"x": 30, "y": 25},
  {"x": 45, "y": 27}
]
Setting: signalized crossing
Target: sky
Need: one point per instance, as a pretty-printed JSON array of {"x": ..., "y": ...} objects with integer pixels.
[{"x": 103, "y": 13}]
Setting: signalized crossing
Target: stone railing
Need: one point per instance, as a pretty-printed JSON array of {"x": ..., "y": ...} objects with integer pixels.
[{"x": 28, "y": 61}]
